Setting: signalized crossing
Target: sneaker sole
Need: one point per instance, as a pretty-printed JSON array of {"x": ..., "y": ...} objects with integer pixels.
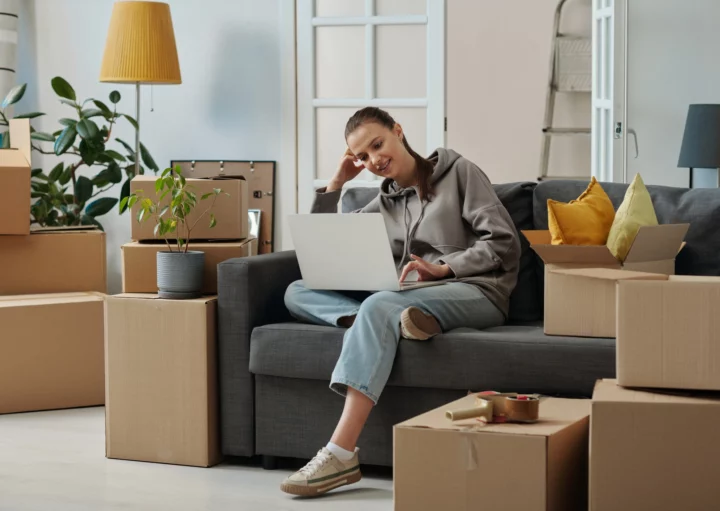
[
  {"x": 418, "y": 326},
  {"x": 315, "y": 491}
]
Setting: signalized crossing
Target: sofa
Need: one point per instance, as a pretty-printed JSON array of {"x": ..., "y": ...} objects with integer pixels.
[{"x": 274, "y": 372}]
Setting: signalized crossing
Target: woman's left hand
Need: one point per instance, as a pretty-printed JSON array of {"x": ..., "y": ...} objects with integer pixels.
[{"x": 426, "y": 270}]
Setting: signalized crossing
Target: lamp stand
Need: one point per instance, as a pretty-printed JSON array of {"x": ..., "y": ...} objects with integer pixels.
[{"x": 137, "y": 132}]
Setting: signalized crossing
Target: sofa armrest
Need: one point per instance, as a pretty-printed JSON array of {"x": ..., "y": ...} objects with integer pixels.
[{"x": 251, "y": 292}]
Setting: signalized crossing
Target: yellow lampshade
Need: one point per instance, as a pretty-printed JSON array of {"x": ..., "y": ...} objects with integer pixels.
[{"x": 140, "y": 46}]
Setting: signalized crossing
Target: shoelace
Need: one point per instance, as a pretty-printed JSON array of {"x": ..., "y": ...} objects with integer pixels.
[{"x": 315, "y": 464}]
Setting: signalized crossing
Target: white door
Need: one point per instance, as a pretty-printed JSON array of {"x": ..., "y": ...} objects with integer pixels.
[
  {"x": 357, "y": 53},
  {"x": 609, "y": 69}
]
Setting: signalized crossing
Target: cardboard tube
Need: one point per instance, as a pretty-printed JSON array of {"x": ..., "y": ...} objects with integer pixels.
[
  {"x": 522, "y": 408},
  {"x": 483, "y": 409}
]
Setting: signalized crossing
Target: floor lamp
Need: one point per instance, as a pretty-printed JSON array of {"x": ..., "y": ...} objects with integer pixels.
[{"x": 140, "y": 48}]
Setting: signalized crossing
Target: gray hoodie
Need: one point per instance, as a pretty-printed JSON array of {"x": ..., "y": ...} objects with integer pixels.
[{"x": 464, "y": 225}]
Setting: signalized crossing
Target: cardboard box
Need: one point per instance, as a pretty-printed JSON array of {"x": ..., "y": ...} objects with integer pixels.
[
  {"x": 231, "y": 212},
  {"x": 652, "y": 451},
  {"x": 669, "y": 333},
  {"x": 139, "y": 262},
  {"x": 441, "y": 464},
  {"x": 15, "y": 168},
  {"x": 653, "y": 251},
  {"x": 51, "y": 352},
  {"x": 53, "y": 260},
  {"x": 161, "y": 380},
  {"x": 582, "y": 302}
]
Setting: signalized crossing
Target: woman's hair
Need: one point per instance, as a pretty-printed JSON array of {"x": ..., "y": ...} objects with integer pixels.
[{"x": 373, "y": 114}]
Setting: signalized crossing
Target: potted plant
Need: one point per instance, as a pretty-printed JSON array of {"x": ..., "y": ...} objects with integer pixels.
[{"x": 179, "y": 270}]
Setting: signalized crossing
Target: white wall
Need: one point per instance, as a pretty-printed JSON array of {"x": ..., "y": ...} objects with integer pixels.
[
  {"x": 672, "y": 51},
  {"x": 498, "y": 55},
  {"x": 228, "y": 106}
]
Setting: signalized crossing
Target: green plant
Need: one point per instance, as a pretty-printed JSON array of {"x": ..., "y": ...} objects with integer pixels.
[
  {"x": 171, "y": 217},
  {"x": 62, "y": 197}
]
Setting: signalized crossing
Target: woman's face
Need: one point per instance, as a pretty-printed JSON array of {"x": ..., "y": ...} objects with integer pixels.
[{"x": 382, "y": 151}]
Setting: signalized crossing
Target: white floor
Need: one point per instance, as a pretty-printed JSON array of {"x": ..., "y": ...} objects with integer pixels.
[{"x": 55, "y": 461}]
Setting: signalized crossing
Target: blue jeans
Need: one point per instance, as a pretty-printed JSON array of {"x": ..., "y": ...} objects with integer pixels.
[{"x": 369, "y": 346}]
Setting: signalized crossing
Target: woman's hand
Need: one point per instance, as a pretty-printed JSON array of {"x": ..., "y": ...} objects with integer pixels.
[
  {"x": 348, "y": 169},
  {"x": 426, "y": 270}
]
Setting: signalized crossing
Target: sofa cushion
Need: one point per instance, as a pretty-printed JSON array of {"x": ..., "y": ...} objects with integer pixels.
[
  {"x": 700, "y": 207},
  {"x": 502, "y": 358},
  {"x": 525, "y": 301}
]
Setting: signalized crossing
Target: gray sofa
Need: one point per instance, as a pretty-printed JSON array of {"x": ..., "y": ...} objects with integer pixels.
[{"x": 274, "y": 372}]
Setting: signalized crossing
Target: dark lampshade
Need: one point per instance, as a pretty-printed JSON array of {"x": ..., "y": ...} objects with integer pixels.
[{"x": 701, "y": 141}]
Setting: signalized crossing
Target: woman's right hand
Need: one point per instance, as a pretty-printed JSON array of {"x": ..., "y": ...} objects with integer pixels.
[{"x": 348, "y": 169}]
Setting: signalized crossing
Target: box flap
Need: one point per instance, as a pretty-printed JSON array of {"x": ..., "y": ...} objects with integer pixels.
[
  {"x": 555, "y": 415},
  {"x": 12, "y": 158},
  {"x": 49, "y": 299},
  {"x": 703, "y": 279},
  {"x": 609, "y": 391},
  {"x": 587, "y": 254},
  {"x": 65, "y": 229},
  {"x": 538, "y": 237},
  {"x": 657, "y": 242},
  {"x": 20, "y": 138},
  {"x": 150, "y": 296},
  {"x": 609, "y": 274}
]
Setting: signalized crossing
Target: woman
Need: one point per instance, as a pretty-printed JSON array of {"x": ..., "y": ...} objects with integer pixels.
[{"x": 445, "y": 222}]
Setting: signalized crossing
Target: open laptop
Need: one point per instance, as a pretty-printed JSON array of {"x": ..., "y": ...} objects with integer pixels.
[{"x": 347, "y": 252}]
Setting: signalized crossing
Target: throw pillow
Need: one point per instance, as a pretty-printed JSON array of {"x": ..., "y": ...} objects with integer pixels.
[
  {"x": 585, "y": 221},
  {"x": 635, "y": 211}
]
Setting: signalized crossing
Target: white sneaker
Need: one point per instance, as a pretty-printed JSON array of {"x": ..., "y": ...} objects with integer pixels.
[
  {"x": 323, "y": 473},
  {"x": 417, "y": 325}
]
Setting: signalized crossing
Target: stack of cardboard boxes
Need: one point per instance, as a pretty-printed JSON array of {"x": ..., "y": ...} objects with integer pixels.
[
  {"x": 161, "y": 371},
  {"x": 653, "y": 439},
  {"x": 52, "y": 285}
]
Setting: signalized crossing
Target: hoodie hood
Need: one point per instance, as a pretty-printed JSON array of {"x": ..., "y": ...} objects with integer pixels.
[{"x": 443, "y": 160}]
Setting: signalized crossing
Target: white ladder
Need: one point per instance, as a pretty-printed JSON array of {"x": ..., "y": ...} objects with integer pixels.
[{"x": 570, "y": 72}]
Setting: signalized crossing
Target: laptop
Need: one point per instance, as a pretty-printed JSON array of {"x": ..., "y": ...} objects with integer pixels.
[{"x": 347, "y": 252}]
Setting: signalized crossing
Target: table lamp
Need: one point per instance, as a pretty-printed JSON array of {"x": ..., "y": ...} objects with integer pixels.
[
  {"x": 140, "y": 48},
  {"x": 701, "y": 140}
]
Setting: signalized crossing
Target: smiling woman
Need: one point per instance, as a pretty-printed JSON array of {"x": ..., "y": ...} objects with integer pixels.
[{"x": 445, "y": 224}]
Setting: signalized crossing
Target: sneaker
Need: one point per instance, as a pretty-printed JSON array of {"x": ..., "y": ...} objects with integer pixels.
[
  {"x": 417, "y": 325},
  {"x": 323, "y": 473}
]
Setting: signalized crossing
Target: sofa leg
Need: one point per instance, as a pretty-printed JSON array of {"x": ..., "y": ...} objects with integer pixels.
[{"x": 269, "y": 462}]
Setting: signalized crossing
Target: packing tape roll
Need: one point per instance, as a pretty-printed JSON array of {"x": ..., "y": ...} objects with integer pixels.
[
  {"x": 484, "y": 409},
  {"x": 522, "y": 408}
]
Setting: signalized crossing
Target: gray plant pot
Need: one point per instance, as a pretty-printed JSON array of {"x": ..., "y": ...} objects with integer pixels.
[{"x": 180, "y": 275}]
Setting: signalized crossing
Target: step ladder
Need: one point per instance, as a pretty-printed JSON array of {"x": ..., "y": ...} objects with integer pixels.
[{"x": 570, "y": 73}]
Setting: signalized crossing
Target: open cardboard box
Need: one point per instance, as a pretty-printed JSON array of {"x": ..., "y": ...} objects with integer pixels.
[
  {"x": 15, "y": 170},
  {"x": 230, "y": 211},
  {"x": 53, "y": 260},
  {"x": 440, "y": 464}
]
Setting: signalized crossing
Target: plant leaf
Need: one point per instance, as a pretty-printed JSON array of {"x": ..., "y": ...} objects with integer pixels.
[
  {"x": 213, "y": 221},
  {"x": 127, "y": 147},
  {"x": 65, "y": 140},
  {"x": 147, "y": 159},
  {"x": 115, "y": 97},
  {"x": 91, "y": 112},
  {"x": 69, "y": 102},
  {"x": 124, "y": 196},
  {"x": 88, "y": 220},
  {"x": 5, "y": 142},
  {"x": 132, "y": 121},
  {"x": 158, "y": 185},
  {"x": 88, "y": 129},
  {"x": 132, "y": 201},
  {"x": 83, "y": 190},
  {"x": 39, "y": 135},
  {"x": 166, "y": 172},
  {"x": 56, "y": 172},
  {"x": 30, "y": 115},
  {"x": 67, "y": 122},
  {"x": 205, "y": 196},
  {"x": 103, "y": 107},
  {"x": 115, "y": 155},
  {"x": 66, "y": 176},
  {"x": 100, "y": 206},
  {"x": 62, "y": 88},
  {"x": 35, "y": 172},
  {"x": 15, "y": 95}
]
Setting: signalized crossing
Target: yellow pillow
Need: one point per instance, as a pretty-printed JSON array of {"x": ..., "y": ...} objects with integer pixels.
[
  {"x": 635, "y": 211},
  {"x": 585, "y": 221}
]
